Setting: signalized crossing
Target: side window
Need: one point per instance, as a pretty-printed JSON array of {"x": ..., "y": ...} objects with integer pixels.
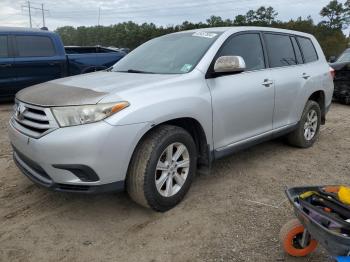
[
  {"x": 3, "y": 46},
  {"x": 308, "y": 49},
  {"x": 297, "y": 51},
  {"x": 34, "y": 46},
  {"x": 280, "y": 50},
  {"x": 247, "y": 46}
]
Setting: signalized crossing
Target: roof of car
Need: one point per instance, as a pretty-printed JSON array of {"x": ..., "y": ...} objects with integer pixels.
[
  {"x": 248, "y": 28},
  {"x": 22, "y": 30}
]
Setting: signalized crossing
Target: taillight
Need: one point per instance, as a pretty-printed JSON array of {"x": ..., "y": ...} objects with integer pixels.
[{"x": 332, "y": 72}]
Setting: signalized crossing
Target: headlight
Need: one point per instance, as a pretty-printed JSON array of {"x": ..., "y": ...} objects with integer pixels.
[{"x": 80, "y": 115}]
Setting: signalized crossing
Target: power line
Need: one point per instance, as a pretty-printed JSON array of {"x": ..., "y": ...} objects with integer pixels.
[
  {"x": 123, "y": 10},
  {"x": 140, "y": 11}
]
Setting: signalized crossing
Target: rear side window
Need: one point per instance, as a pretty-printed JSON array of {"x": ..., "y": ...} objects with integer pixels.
[
  {"x": 3, "y": 46},
  {"x": 308, "y": 49},
  {"x": 34, "y": 46},
  {"x": 280, "y": 50},
  {"x": 297, "y": 51},
  {"x": 247, "y": 46}
]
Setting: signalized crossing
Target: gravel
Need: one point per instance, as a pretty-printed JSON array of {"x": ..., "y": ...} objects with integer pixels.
[{"x": 233, "y": 214}]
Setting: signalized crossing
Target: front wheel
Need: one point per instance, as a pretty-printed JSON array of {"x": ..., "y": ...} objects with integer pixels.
[
  {"x": 162, "y": 168},
  {"x": 308, "y": 129}
]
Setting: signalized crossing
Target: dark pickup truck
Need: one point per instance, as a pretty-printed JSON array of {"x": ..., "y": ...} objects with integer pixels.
[
  {"x": 341, "y": 68},
  {"x": 32, "y": 56}
]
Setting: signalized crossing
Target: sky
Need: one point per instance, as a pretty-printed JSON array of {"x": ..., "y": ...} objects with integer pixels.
[{"x": 161, "y": 12}]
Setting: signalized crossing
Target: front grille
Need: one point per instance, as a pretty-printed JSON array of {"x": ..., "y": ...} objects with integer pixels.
[{"x": 33, "y": 121}]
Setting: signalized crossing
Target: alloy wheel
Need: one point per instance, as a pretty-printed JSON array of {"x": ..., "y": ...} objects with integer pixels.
[
  {"x": 310, "y": 126},
  {"x": 172, "y": 169}
]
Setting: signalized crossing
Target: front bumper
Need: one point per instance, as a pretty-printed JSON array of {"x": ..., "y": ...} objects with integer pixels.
[{"x": 103, "y": 150}]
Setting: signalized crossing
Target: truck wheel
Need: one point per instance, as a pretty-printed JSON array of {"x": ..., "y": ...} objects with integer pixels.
[
  {"x": 308, "y": 129},
  {"x": 290, "y": 236},
  {"x": 162, "y": 168},
  {"x": 347, "y": 99}
]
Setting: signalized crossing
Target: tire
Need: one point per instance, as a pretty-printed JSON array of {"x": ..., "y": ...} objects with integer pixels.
[
  {"x": 346, "y": 99},
  {"x": 297, "y": 137},
  {"x": 152, "y": 153},
  {"x": 288, "y": 234}
]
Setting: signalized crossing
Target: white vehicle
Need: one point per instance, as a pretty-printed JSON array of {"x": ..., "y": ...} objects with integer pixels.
[{"x": 175, "y": 103}]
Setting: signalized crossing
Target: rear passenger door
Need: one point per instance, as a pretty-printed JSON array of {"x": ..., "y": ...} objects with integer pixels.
[
  {"x": 36, "y": 60},
  {"x": 7, "y": 75},
  {"x": 285, "y": 63}
]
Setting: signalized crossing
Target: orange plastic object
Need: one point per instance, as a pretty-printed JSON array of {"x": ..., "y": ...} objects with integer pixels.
[{"x": 288, "y": 233}]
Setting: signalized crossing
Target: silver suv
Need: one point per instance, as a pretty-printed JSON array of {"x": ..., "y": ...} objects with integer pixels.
[{"x": 174, "y": 104}]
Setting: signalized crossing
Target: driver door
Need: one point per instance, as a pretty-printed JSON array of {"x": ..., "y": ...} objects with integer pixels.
[{"x": 243, "y": 103}]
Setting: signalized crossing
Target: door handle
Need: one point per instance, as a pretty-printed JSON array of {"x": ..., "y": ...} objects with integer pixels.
[
  {"x": 5, "y": 65},
  {"x": 306, "y": 76},
  {"x": 267, "y": 82}
]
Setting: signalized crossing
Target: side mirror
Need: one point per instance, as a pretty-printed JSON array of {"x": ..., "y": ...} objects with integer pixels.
[
  {"x": 332, "y": 59},
  {"x": 229, "y": 64}
]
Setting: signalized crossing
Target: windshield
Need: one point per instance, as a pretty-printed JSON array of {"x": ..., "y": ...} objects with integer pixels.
[
  {"x": 170, "y": 54},
  {"x": 344, "y": 57}
]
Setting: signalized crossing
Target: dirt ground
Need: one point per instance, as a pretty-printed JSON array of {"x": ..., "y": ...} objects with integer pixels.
[{"x": 234, "y": 214}]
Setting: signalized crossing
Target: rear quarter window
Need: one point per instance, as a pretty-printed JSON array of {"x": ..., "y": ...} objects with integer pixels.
[
  {"x": 34, "y": 46},
  {"x": 308, "y": 49},
  {"x": 3, "y": 46}
]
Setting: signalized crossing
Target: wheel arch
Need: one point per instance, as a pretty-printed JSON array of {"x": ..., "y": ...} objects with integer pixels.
[
  {"x": 319, "y": 97},
  {"x": 195, "y": 129}
]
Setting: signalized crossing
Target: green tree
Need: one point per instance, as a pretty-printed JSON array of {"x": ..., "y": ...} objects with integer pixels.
[
  {"x": 214, "y": 21},
  {"x": 130, "y": 34},
  {"x": 266, "y": 15},
  {"x": 240, "y": 20},
  {"x": 261, "y": 16},
  {"x": 335, "y": 13}
]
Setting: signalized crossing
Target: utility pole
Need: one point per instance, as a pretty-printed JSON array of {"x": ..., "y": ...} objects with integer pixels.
[
  {"x": 99, "y": 16},
  {"x": 43, "y": 13},
  {"x": 30, "y": 7},
  {"x": 30, "y": 15}
]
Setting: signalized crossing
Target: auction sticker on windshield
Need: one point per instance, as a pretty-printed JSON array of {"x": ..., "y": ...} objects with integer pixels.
[
  {"x": 205, "y": 34},
  {"x": 186, "y": 68}
]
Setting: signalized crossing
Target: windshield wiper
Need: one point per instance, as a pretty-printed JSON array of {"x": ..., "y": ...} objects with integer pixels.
[{"x": 136, "y": 71}]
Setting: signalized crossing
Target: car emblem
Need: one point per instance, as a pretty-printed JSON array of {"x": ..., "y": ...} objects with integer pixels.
[{"x": 20, "y": 111}]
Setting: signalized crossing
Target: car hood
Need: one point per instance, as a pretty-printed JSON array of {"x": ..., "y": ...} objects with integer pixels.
[{"x": 86, "y": 89}]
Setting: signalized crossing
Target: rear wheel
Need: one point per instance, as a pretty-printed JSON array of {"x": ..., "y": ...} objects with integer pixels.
[
  {"x": 291, "y": 235},
  {"x": 162, "y": 168},
  {"x": 346, "y": 99},
  {"x": 308, "y": 129}
]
